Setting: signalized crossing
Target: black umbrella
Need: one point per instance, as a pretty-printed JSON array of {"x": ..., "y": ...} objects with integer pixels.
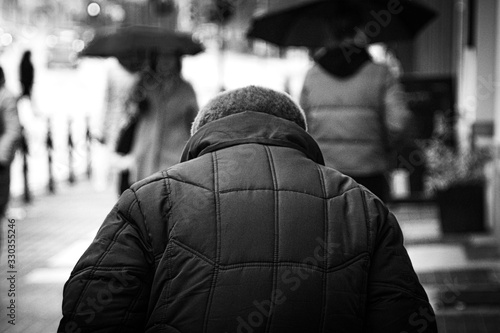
[
  {"x": 138, "y": 39},
  {"x": 317, "y": 23}
]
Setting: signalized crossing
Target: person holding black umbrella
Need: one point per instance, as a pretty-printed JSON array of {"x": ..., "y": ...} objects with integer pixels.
[
  {"x": 155, "y": 120},
  {"x": 113, "y": 132},
  {"x": 166, "y": 105},
  {"x": 355, "y": 108}
]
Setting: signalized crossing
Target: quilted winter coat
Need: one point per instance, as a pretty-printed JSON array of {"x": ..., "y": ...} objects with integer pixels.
[
  {"x": 251, "y": 233},
  {"x": 356, "y": 120}
]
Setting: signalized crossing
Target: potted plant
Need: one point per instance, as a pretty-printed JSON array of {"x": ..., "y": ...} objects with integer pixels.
[{"x": 457, "y": 179}]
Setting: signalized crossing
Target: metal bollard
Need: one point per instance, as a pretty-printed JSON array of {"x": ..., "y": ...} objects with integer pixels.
[
  {"x": 50, "y": 147},
  {"x": 25, "y": 151},
  {"x": 88, "y": 141},
  {"x": 71, "y": 172}
]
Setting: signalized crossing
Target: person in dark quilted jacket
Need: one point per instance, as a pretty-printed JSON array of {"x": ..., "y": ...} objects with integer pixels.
[{"x": 249, "y": 233}]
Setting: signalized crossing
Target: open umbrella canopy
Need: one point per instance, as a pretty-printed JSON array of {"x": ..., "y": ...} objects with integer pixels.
[
  {"x": 132, "y": 40},
  {"x": 316, "y": 23}
]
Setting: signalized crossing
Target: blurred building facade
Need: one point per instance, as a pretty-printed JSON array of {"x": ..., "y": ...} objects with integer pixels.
[
  {"x": 480, "y": 90},
  {"x": 90, "y": 13}
]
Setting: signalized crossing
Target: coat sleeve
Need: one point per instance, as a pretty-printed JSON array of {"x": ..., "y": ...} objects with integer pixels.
[
  {"x": 396, "y": 302},
  {"x": 11, "y": 136},
  {"x": 397, "y": 113},
  {"x": 108, "y": 290}
]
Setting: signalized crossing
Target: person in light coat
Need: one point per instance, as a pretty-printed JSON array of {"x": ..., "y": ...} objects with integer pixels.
[
  {"x": 167, "y": 105},
  {"x": 10, "y": 135},
  {"x": 357, "y": 112}
]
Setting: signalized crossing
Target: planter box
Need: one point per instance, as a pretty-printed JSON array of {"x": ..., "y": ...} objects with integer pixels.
[{"x": 462, "y": 208}]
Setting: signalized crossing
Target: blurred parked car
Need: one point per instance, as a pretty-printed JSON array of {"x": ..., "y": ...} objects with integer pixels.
[{"x": 63, "y": 47}]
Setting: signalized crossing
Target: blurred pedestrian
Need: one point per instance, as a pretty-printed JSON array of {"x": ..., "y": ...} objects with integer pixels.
[
  {"x": 122, "y": 77},
  {"x": 10, "y": 135},
  {"x": 165, "y": 106},
  {"x": 26, "y": 75},
  {"x": 119, "y": 85},
  {"x": 250, "y": 233},
  {"x": 355, "y": 109}
]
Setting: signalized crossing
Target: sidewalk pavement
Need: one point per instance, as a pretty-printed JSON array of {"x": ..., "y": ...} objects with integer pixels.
[
  {"x": 461, "y": 275},
  {"x": 51, "y": 234}
]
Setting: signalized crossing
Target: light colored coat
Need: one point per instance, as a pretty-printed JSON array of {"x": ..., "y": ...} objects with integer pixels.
[
  {"x": 10, "y": 134},
  {"x": 164, "y": 128},
  {"x": 10, "y": 128},
  {"x": 356, "y": 120},
  {"x": 120, "y": 84}
]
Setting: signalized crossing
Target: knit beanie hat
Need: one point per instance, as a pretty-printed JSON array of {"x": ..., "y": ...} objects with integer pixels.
[{"x": 250, "y": 98}]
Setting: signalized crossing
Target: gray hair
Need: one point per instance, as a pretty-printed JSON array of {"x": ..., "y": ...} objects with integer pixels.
[{"x": 250, "y": 98}]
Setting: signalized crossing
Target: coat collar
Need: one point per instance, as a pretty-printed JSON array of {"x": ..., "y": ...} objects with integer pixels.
[{"x": 251, "y": 127}]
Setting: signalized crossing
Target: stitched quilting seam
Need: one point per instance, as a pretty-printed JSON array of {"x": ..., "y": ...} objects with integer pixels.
[
  {"x": 325, "y": 253},
  {"x": 94, "y": 268},
  {"x": 128, "y": 312},
  {"x": 108, "y": 269},
  {"x": 285, "y": 190},
  {"x": 367, "y": 222},
  {"x": 276, "y": 235},
  {"x": 150, "y": 237},
  {"x": 168, "y": 191},
  {"x": 168, "y": 260},
  {"x": 183, "y": 181},
  {"x": 269, "y": 263},
  {"x": 215, "y": 172},
  {"x": 168, "y": 284},
  {"x": 392, "y": 286},
  {"x": 193, "y": 252}
]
